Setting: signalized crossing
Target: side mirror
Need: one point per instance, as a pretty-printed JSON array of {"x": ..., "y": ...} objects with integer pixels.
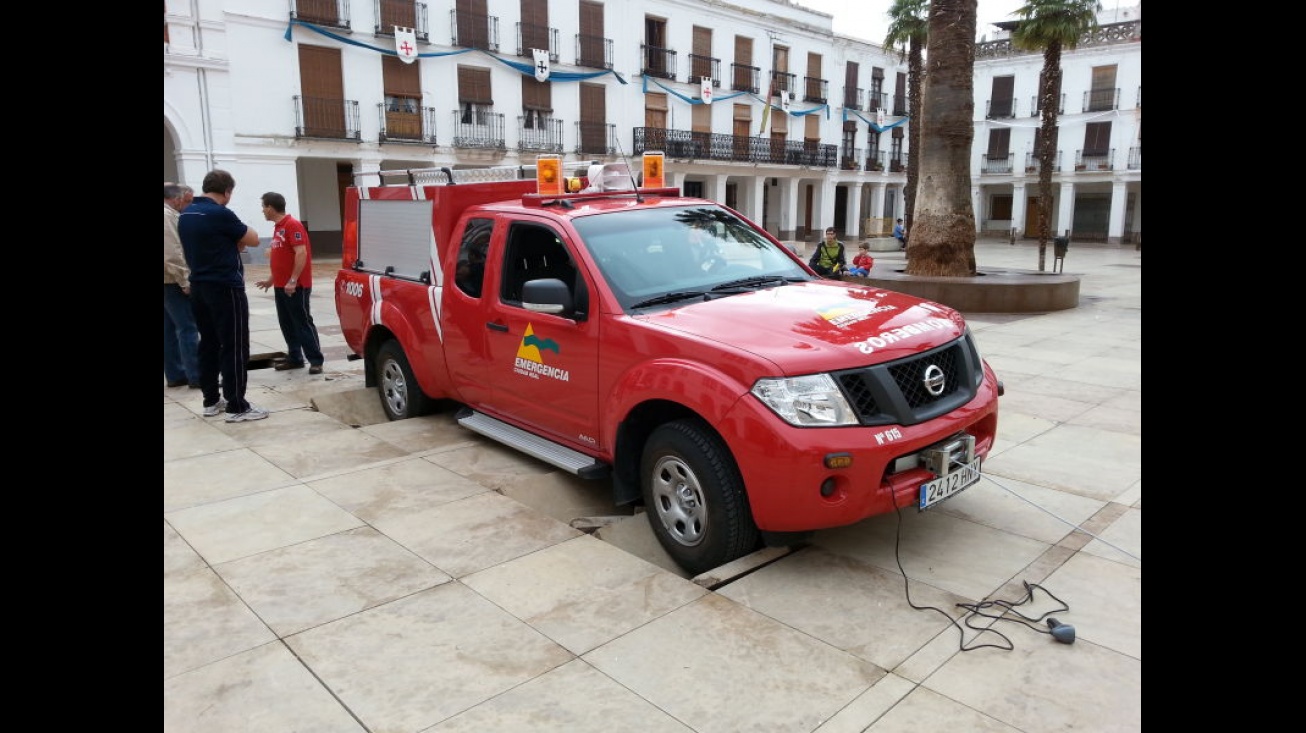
[{"x": 547, "y": 295}]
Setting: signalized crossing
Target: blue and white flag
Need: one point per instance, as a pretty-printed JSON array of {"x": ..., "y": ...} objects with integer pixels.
[
  {"x": 406, "y": 44},
  {"x": 541, "y": 63}
]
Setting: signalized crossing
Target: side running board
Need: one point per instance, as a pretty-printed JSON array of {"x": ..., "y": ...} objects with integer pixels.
[{"x": 533, "y": 445}]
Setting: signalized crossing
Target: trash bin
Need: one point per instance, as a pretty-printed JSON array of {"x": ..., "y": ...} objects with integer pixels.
[{"x": 1059, "y": 247}]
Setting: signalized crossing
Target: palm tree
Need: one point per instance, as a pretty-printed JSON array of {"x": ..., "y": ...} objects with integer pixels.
[
  {"x": 943, "y": 233},
  {"x": 1049, "y": 26},
  {"x": 907, "y": 33}
]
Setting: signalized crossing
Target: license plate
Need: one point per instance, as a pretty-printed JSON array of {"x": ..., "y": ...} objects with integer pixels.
[{"x": 961, "y": 477}]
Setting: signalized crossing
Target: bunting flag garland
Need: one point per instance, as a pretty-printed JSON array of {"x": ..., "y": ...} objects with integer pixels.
[
  {"x": 522, "y": 68},
  {"x": 872, "y": 125},
  {"x": 723, "y": 97}
]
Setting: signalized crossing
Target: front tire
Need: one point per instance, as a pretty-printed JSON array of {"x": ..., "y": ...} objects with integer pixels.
[
  {"x": 401, "y": 396},
  {"x": 695, "y": 498}
]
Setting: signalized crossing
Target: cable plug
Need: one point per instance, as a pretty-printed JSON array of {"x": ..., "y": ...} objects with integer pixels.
[{"x": 1064, "y": 633}]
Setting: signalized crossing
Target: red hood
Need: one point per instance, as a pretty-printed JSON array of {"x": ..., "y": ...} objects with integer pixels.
[{"x": 818, "y": 326}]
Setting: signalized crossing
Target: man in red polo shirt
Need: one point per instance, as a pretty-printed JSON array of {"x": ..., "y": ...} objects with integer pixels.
[{"x": 291, "y": 260}]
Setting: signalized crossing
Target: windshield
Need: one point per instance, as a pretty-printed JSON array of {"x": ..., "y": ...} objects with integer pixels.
[{"x": 692, "y": 252}]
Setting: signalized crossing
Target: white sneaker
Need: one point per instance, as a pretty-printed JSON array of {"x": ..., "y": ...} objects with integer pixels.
[
  {"x": 253, "y": 413},
  {"x": 213, "y": 409}
]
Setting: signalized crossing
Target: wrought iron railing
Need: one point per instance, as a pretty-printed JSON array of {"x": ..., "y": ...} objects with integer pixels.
[
  {"x": 995, "y": 163},
  {"x": 593, "y": 51},
  {"x": 1032, "y": 165},
  {"x": 473, "y": 30},
  {"x": 999, "y": 109},
  {"x": 854, "y": 98},
  {"x": 704, "y": 66},
  {"x": 333, "y": 13},
  {"x": 596, "y": 138},
  {"x": 1101, "y": 100},
  {"x": 655, "y": 61},
  {"x": 1036, "y": 105},
  {"x": 734, "y": 148},
  {"x": 402, "y": 13},
  {"x": 782, "y": 81},
  {"x": 477, "y": 128},
  {"x": 815, "y": 90},
  {"x": 531, "y": 36},
  {"x": 406, "y": 123},
  {"x": 1103, "y": 35},
  {"x": 543, "y": 134},
  {"x": 1094, "y": 160},
  {"x": 1135, "y": 159},
  {"x": 335, "y": 119},
  {"x": 744, "y": 78}
]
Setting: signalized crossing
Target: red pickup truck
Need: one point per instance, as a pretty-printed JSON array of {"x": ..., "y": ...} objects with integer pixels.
[{"x": 664, "y": 343}]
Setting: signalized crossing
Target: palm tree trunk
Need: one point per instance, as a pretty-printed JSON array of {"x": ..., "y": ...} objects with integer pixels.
[
  {"x": 1050, "y": 96},
  {"x": 943, "y": 233}
]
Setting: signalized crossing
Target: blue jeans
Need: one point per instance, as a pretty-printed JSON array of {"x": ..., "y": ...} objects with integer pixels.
[
  {"x": 297, "y": 327},
  {"x": 181, "y": 338}
]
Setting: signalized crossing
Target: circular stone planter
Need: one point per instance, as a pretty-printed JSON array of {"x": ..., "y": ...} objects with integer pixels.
[{"x": 992, "y": 290}]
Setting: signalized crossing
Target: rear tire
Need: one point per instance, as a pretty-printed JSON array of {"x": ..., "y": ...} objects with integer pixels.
[
  {"x": 401, "y": 396},
  {"x": 695, "y": 498}
]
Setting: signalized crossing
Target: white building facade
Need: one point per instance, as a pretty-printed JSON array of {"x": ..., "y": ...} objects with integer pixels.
[
  {"x": 1097, "y": 177},
  {"x": 801, "y": 127}
]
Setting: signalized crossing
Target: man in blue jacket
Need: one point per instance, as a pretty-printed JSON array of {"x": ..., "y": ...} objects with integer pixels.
[{"x": 213, "y": 237}]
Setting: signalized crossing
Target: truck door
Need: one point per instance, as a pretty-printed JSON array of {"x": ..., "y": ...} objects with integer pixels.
[{"x": 543, "y": 368}]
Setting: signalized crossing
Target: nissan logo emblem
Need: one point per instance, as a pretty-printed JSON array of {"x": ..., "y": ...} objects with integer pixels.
[{"x": 934, "y": 380}]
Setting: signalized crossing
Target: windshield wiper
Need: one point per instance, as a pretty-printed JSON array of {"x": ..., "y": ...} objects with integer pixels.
[
  {"x": 670, "y": 298},
  {"x": 749, "y": 282}
]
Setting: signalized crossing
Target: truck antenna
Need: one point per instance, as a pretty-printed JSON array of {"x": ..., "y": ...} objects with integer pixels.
[{"x": 639, "y": 198}]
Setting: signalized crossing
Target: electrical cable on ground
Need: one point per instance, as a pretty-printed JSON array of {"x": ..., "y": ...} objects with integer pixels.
[{"x": 1061, "y": 632}]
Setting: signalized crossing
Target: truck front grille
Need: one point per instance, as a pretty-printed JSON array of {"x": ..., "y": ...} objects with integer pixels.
[{"x": 896, "y": 392}]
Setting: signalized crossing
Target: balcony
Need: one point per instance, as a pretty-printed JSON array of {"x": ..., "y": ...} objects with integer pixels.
[
  {"x": 1094, "y": 160},
  {"x": 875, "y": 160},
  {"x": 877, "y": 100},
  {"x": 474, "y": 126},
  {"x": 1135, "y": 162},
  {"x": 596, "y": 138},
  {"x": 1032, "y": 165},
  {"x": 1036, "y": 106},
  {"x": 783, "y": 82},
  {"x": 330, "y": 119},
  {"x": 849, "y": 158},
  {"x": 330, "y": 13},
  {"x": 593, "y": 51},
  {"x": 899, "y": 105},
  {"x": 659, "y": 62},
  {"x": 815, "y": 90},
  {"x": 540, "y": 133},
  {"x": 744, "y": 78},
  {"x": 854, "y": 98},
  {"x": 402, "y": 13},
  {"x": 701, "y": 67},
  {"x": 1001, "y": 109},
  {"x": 403, "y": 121},
  {"x": 898, "y": 163},
  {"x": 530, "y": 36},
  {"x": 995, "y": 164},
  {"x": 1101, "y": 100},
  {"x": 473, "y": 30},
  {"x": 734, "y": 148}
]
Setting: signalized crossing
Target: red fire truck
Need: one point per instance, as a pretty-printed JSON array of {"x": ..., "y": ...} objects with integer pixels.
[{"x": 668, "y": 344}]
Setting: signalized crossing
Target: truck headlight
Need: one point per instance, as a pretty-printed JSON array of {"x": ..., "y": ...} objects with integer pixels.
[{"x": 810, "y": 401}]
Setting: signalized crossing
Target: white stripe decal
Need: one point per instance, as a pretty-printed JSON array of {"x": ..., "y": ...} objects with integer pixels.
[
  {"x": 374, "y": 281},
  {"x": 433, "y": 294}
]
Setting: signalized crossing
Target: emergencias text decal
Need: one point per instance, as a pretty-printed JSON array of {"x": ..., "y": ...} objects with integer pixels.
[
  {"x": 902, "y": 333},
  {"x": 529, "y": 361}
]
